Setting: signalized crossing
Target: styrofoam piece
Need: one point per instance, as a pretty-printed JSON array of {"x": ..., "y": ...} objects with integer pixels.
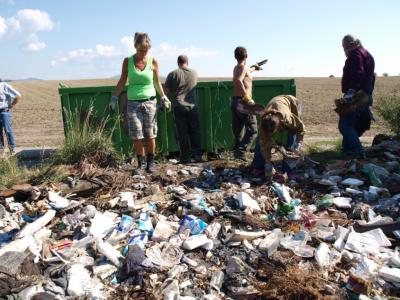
[
  {"x": 241, "y": 235},
  {"x": 35, "y": 226},
  {"x": 341, "y": 235},
  {"x": 195, "y": 241},
  {"x": 245, "y": 201},
  {"x": 78, "y": 280},
  {"x": 322, "y": 255},
  {"x": 271, "y": 242},
  {"x": 56, "y": 201},
  {"x": 367, "y": 242},
  {"x": 101, "y": 225},
  {"x": 390, "y": 274},
  {"x": 128, "y": 197},
  {"x": 110, "y": 252},
  {"x": 353, "y": 191},
  {"x": 163, "y": 231},
  {"x": 342, "y": 202}
]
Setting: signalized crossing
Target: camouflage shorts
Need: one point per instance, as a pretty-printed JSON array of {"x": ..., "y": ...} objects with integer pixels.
[{"x": 142, "y": 119}]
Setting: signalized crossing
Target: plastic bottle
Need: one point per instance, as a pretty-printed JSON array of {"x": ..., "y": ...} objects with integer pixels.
[
  {"x": 195, "y": 207},
  {"x": 397, "y": 168},
  {"x": 325, "y": 201},
  {"x": 373, "y": 178},
  {"x": 284, "y": 209},
  {"x": 194, "y": 224},
  {"x": 126, "y": 224},
  {"x": 144, "y": 222}
]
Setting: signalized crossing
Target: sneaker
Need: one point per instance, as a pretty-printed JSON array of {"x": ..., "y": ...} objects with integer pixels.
[
  {"x": 141, "y": 166},
  {"x": 150, "y": 163}
]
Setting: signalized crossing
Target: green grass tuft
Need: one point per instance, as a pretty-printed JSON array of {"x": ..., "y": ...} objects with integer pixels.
[
  {"x": 85, "y": 136},
  {"x": 389, "y": 110},
  {"x": 10, "y": 172}
]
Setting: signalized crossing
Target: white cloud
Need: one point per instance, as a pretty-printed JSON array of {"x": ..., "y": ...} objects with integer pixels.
[
  {"x": 12, "y": 2},
  {"x": 33, "y": 20},
  {"x": 127, "y": 42},
  {"x": 87, "y": 55},
  {"x": 3, "y": 26},
  {"x": 109, "y": 56},
  {"x": 166, "y": 49},
  {"x": 25, "y": 26},
  {"x": 107, "y": 51},
  {"x": 34, "y": 46},
  {"x": 81, "y": 53}
]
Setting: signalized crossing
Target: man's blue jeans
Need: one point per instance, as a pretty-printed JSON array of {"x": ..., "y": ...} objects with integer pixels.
[
  {"x": 258, "y": 159},
  {"x": 6, "y": 126},
  {"x": 347, "y": 126}
]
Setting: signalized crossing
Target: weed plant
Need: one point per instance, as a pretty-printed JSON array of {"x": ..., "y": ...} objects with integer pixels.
[
  {"x": 389, "y": 110},
  {"x": 85, "y": 135}
]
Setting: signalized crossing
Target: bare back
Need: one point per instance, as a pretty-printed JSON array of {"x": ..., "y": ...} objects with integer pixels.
[{"x": 242, "y": 81}]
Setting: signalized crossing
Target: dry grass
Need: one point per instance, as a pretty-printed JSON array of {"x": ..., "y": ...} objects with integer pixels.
[{"x": 38, "y": 121}]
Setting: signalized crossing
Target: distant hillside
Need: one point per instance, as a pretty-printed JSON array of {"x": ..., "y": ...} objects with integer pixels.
[{"x": 25, "y": 79}]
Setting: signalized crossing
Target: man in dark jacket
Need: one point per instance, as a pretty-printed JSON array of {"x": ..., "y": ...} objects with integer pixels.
[
  {"x": 181, "y": 83},
  {"x": 358, "y": 74}
]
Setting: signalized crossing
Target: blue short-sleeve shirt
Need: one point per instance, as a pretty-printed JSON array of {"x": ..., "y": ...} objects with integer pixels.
[{"x": 7, "y": 95}]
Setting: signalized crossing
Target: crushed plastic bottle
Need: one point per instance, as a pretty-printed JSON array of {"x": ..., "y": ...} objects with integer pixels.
[
  {"x": 196, "y": 206},
  {"x": 137, "y": 238},
  {"x": 194, "y": 224},
  {"x": 144, "y": 222},
  {"x": 396, "y": 169},
  {"x": 325, "y": 201},
  {"x": 282, "y": 192},
  {"x": 284, "y": 209},
  {"x": 126, "y": 224},
  {"x": 373, "y": 178}
]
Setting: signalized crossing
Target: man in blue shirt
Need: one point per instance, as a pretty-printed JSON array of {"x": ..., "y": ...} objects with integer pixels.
[{"x": 8, "y": 99}]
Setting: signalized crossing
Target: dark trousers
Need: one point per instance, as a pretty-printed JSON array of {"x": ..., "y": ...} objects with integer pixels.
[
  {"x": 352, "y": 127},
  {"x": 187, "y": 131},
  {"x": 244, "y": 127}
]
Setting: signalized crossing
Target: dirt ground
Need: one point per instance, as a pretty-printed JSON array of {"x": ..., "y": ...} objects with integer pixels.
[{"x": 38, "y": 121}]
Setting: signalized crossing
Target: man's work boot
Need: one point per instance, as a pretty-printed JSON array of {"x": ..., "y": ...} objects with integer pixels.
[
  {"x": 183, "y": 160},
  {"x": 198, "y": 158},
  {"x": 141, "y": 165},
  {"x": 150, "y": 163},
  {"x": 239, "y": 155}
]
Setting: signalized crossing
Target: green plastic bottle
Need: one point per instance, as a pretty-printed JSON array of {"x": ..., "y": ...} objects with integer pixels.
[
  {"x": 373, "y": 178},
  {"x": 284, "y": 209},
  {"x": 397, "y": 169},
  {"x": 325, "y": 201}
]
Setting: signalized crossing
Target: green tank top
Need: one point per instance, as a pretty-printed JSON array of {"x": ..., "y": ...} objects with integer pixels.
[{"x": 140, "y": 83}]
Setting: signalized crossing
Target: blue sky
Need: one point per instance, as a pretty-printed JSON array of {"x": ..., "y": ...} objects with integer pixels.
[{"x": 59, "y": 39}]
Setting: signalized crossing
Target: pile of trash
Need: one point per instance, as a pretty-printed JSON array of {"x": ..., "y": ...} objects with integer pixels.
[{"x": 209, "y": 231}]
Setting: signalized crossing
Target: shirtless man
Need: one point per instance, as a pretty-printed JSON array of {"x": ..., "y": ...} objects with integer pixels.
[{"x": 244, "y": 126}]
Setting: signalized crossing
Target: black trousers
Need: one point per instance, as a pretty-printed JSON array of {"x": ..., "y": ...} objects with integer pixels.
[
  {"x": 244, "y": 127},
  {"x": 187, "y": 131}
]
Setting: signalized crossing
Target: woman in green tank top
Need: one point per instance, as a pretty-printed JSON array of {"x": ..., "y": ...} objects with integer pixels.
[{"x": 141, "y": 72}]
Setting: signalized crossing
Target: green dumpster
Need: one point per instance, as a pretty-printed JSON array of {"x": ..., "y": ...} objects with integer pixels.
[{"x": 213, "y": 106}]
